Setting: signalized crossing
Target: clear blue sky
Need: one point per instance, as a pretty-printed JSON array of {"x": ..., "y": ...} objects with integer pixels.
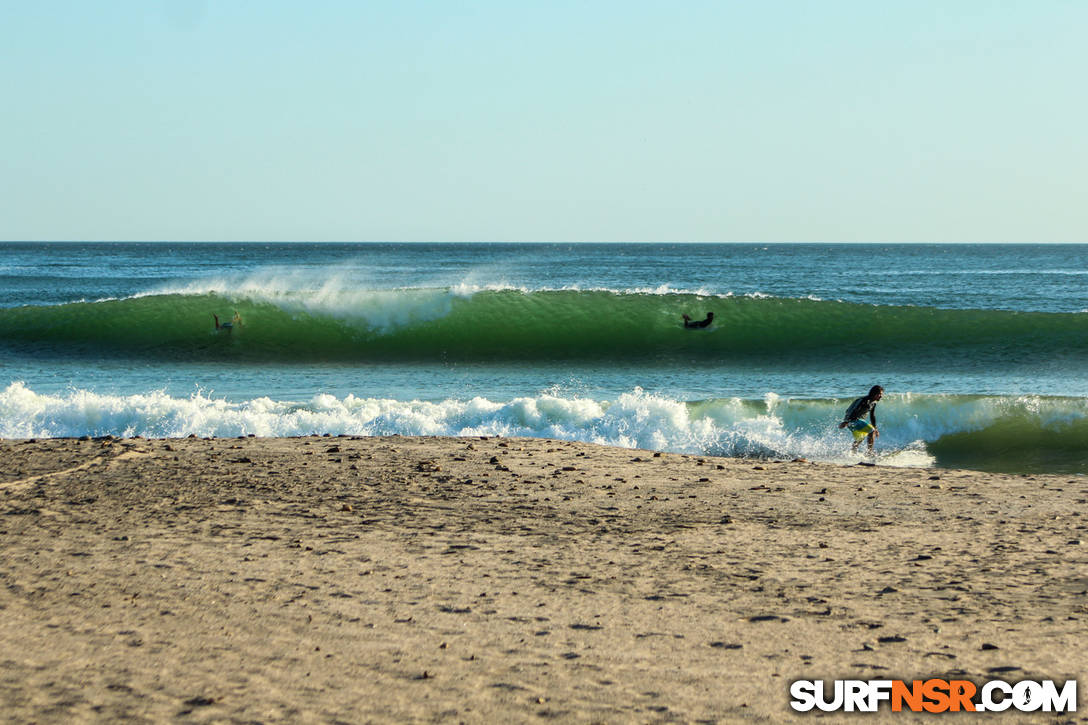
[{"x": 835, "y": 120}]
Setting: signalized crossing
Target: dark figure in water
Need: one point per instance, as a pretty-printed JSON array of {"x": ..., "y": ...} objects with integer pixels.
[
  {"x": 693, "y": 324},
  {"x": 228, "y": 326},
  {"x": 855, "y": 417}
]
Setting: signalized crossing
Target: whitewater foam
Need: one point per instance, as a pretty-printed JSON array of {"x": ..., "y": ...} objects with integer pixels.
[
  {"x": 916, "y": 430},
  {"x": 633, "y": 420}
]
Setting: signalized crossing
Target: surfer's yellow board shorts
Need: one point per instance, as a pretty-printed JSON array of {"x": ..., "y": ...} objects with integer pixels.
[{"x": 860, "y": 428}]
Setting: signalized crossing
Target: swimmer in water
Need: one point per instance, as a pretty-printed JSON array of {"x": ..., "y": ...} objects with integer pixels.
[
  {"x": 695, "y": 324},
  {"x": 227, "y": 326}
]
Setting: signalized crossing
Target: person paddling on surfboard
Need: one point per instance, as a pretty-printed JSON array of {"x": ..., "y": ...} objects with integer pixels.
[
  {"x": 227, "y": 326},
  {"x": 695, "y": 324},
  {"x": 855, "y": 417}
]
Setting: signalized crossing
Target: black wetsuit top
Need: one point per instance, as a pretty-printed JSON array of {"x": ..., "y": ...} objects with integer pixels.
[{"x": 860, "y": 408}]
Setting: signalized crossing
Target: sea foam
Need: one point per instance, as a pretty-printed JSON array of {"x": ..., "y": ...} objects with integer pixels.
[{"x": 916, "y": 430}]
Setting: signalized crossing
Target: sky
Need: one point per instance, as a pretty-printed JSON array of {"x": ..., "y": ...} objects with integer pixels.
[{"x": 507, "y": 120}]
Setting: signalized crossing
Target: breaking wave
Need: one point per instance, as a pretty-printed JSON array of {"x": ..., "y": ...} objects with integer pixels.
[
  {"x": 997, "y": 433},
  {"x": 461, "y": 324}
]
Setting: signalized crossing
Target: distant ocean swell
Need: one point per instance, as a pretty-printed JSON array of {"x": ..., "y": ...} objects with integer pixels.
[
  {"x": 548, "y": 325},
  {"x": 997, "y": 433}
]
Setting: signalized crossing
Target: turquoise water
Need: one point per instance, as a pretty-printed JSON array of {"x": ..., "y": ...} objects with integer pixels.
[{"x": 983, "y": 349}]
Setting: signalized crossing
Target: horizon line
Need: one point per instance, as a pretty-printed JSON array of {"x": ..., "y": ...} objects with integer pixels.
[{"x": 493, "y": 241}]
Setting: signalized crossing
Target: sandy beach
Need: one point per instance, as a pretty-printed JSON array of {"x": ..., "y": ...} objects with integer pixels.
[{"x": 476, "y": 580}]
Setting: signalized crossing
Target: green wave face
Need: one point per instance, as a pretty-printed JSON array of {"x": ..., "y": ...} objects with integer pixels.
[
  {"x": 1018, "y": 445},
  {"x": 1007, "y": 434},
  {"x": 1010, "y": 434},
  {"x": 512, "y": 325}
]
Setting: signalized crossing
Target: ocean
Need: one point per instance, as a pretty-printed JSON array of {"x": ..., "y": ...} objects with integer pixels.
[{"x": 982, "y": 349}]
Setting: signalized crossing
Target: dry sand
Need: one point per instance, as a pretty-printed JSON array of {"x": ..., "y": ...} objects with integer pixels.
[{"x": 513, "y": 580}]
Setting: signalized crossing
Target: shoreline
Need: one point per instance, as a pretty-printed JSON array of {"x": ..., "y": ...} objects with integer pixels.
[
  {"x": 489, "y": 579},
  {"x": 998, "y": 433}
]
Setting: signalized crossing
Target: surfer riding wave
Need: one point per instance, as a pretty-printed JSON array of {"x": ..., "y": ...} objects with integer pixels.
[
  {"x": 696, "y": 324},
  {"x": 228, "y": 327}
]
